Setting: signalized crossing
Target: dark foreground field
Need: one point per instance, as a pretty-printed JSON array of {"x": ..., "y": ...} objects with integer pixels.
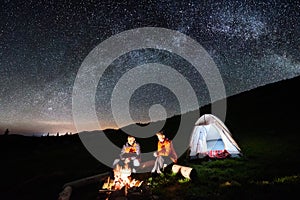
[
  {"x": 264, "y": 122},
  {"x": 37, "y": 168}
]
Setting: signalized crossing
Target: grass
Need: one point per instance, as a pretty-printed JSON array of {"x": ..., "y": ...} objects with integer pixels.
[
  {"x": 36, "y": 168},
  {"x": 268, "y": 169}
]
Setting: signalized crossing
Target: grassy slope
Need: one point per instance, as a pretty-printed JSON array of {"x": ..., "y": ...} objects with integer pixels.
[
  {"x": 269, "y": 169},
  {"x": 263, "y": 122}
]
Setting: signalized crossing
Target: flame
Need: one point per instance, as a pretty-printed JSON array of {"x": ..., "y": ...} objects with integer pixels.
[{"x": 122, "y": 178}]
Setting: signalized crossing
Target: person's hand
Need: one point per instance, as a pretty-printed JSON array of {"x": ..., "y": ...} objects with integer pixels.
[
  {"x": 155, "y": 154},
  {"x": 127, "y": 160}
]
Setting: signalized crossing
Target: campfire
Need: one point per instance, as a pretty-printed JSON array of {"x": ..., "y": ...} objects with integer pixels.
[
  {"x": 122, "y": 180},
  {"x": 124, "y": 186}
]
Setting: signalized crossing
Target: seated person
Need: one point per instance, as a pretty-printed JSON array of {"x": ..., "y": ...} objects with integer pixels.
[
  {"x": 165, "y": 150},
  {"x": 130, "y": 154}
]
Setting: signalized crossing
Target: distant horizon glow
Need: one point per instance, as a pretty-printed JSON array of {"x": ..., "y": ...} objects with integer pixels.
[{"x": 51, "y": 127}]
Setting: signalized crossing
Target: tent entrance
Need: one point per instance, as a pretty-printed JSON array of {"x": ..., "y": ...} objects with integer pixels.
[{"x": 217, "y": 144}]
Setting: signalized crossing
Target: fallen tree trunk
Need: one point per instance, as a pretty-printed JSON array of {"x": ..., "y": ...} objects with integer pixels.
[
  {"x": 186, "y": 172},
  {"x": 65, "y": 194},
  {"x": 69, "y": 187}
]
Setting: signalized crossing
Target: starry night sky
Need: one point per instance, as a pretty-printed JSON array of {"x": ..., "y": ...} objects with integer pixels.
[{"x": 43, "y": 43}]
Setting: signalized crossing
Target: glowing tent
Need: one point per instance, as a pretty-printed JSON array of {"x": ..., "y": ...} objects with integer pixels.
[{"x": 210, "y": 137}]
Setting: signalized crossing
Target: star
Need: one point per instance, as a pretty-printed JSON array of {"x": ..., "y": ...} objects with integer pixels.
[{"x": 43, "y": 44}]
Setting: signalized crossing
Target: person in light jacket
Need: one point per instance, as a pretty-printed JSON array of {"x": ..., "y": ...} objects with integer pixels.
[
  {"x": 130, "y": 154},
  {"x": 165, "y": 150}
]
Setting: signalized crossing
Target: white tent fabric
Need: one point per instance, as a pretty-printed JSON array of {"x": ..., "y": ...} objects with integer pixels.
[{"x": 210, "y": 133}]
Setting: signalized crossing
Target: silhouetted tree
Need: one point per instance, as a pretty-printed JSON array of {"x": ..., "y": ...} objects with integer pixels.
[
  {"x": 6, "y": 132},
  {"x": 57, "y": 134},
  {"x": 48, "y": 134}
]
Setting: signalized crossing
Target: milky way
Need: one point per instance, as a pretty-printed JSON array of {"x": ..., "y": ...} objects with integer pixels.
[{"x": 43, "y": 43}]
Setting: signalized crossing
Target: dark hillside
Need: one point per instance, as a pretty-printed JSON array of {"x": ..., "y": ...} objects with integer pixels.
[{"x": 37, "y": 167}]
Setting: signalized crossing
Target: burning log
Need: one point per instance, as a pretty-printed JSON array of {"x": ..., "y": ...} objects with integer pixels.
[
  {"x": 108, "y": 185},
  {"x": 122, "y": 180}
]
